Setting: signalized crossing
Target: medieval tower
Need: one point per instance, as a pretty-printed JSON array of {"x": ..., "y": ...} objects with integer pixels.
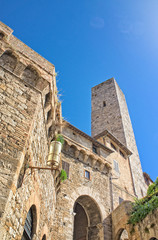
[{"x": 110, "y": 112}]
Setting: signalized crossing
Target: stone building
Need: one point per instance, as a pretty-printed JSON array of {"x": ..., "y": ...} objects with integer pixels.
[{"x": 104, "y": 171}]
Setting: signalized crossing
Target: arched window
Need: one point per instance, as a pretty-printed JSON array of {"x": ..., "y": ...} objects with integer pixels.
[
  {"x": 8, "y": 60},
  {"x": 29, "y": 227},
  {"x": 30, "y": 75},
  {"x": 44, "y": 237}
]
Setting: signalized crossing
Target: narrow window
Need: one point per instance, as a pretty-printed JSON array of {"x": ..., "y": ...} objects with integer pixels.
[
  {"x": 120, "y": 200},
  {"x": 28, "y": 227},
  {"x": 116, "y": 166},
  {"x": 122, "y": 154},
  {"x": 87, "y": 174},
  {"x": 104, "y": 104},
  {"x": 65, "y": 166},
  {"x": 47, "y": 99},
  {"x": 44, "y": 237},
  {"x": 94, "y": 149},
  {"x": 113, "y": 146},
  {"x": 49, "y": 115}
]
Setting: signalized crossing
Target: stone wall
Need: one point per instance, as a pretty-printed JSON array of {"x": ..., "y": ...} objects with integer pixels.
[
  {"x": 30, "y": 115},
  {"x": 92, "y": 194},
  {"x": 145, "y": 230}
]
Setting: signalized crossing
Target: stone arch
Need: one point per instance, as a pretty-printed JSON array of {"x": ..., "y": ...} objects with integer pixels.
[
  {"x": 120, "y": 218},
  {"x": 81, "y": 155},
  {"x": 30, "y": 75},
  {"x": 30, "y": 223},
  {"x": 44, "y": 232},
  {"x": 8, "y": 60},
  {"x": 122, "y": 234},
  {"x": 44, "y": 237},
  {"x": 72, "y": 150},
  {"x": 32, "y": 201},
  {"x": 90, "y": 159},
  {"x": 87, "y": 220}
]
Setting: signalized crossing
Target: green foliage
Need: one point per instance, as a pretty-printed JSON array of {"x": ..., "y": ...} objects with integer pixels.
[
  {"x": 141, "y": 207},
  {"x": 63, "y": 175},
  {"x": 153, "y": 187},
  {"x": 60, "y": 138}
]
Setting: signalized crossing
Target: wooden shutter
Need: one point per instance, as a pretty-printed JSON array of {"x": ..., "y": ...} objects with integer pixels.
[
  {"x": 65, "y": 166},
  {"x": 27, "y": 234}
]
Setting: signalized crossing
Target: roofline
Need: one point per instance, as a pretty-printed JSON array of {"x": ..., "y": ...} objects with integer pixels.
[
  {"x": 88, "y": 137},
  {"x": 112, "y": 137},
  {"x": 147, "y": 176}
]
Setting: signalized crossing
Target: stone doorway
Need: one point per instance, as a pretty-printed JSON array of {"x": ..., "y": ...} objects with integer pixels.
[
  {"x": 87, "y": 220},
  {"x": 123, "y": 235}
]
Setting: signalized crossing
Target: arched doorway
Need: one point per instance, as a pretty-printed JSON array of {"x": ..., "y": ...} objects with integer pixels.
[
  {"x": 30, "y": 224},
  {"x": 87, "y": 219},
  {"x": 123, "y": 235}
]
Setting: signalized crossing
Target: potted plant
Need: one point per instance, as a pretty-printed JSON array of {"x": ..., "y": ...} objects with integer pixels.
[{"x": 55, "y": 150}]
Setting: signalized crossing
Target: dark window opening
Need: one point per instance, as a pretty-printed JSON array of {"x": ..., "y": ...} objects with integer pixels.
[
  {"x": 49, "y": 115},
  {"x": 44, "y": 237},
  {"x": 87, "y": 174},
  {"x": 66, "y": 166},
  {"x": 47, "y": 99},
  {"x": 50, "y": 131},
  {"x": 122, "y": 154},
  {"x": 104, "y": 104},
  {"x": 94, "y": 149},
  {"x": 113, "y": 146}
]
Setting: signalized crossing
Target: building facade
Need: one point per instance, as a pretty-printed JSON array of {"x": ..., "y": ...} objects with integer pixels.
[{"x": 103, "y": 170}]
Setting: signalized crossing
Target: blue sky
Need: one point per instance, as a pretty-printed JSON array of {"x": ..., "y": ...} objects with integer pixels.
[{"x": 90, "y": 41}]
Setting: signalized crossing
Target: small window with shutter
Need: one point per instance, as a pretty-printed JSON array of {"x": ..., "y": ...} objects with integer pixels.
[
  {"x": 116, "y": 166},
  {"x": 65, "y": 166}
]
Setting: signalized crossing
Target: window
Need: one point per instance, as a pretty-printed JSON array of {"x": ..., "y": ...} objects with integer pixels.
[
  {"x": 104, "y": 104},
  {"x": 94, "y": 149},
  {"x": 28, "y": 227},
  {"x": 87, "y": 174},
  {"x": 116, "y": 166},
  {"x": 44, "y": 237},
  {"x": 120, "y": 200},
  {"x": 49, "y": 115},
  {"x": 47, "y": 99},
  {"x": 113, "y": 146},
  {"x": 65, "y": 166},
  {"x": 122, "y": 154}
]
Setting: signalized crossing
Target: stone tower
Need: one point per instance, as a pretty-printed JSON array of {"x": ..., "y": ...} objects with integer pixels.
[{"x": 110, "y": 112}]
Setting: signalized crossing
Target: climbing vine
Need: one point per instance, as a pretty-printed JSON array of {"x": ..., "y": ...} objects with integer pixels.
[{"x": 141, "y": 207}]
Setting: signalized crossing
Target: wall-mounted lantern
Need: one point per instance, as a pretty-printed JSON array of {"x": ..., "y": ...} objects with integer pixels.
[{"x": 55, "y": 151}]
